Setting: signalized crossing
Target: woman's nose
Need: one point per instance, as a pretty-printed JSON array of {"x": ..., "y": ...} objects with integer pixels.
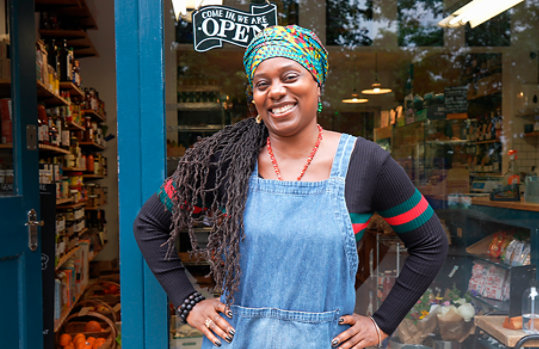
[{"x": 277, "y": 90}]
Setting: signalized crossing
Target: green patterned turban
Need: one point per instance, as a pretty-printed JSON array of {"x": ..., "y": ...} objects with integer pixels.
[{"x": 294, "y": 42}]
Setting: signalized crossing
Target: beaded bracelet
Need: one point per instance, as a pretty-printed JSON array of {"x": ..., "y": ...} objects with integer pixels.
[
  {"x": 188, "y": 304},
  {"x": 379, "y": 345}
]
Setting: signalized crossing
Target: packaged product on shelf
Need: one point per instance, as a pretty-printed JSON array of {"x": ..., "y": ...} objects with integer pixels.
[
  {"x": 76, "y": 179},
  {"x": 475, "y": 285},
  {"x": 508, "y": 253},
  {"x": 57, "y": 299},
  {"x": 60, "y": 246},
  {"x": 6, "y": 125},
  {"x": 60, "y": 223},
  {"x": 499, "y": 243},
  {"x": 76, "y": 73},
  {"x": 519, "y": 254},
  {"x": 494, "y": 283}
]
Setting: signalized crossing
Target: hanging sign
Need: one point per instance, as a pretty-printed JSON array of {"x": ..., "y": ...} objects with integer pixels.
[
  {"x": 214, "y": 24},
  {"x": 456, "y": 99}
]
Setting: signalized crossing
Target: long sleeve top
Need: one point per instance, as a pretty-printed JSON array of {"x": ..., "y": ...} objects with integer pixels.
[{"x": 375, "y": 182}]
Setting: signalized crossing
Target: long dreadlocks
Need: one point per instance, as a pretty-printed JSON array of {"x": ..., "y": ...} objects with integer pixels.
[{"x": 214, "y": 174}]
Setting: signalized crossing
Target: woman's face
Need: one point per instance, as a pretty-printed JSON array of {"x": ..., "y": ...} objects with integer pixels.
[{"x": 285, "y": 95}]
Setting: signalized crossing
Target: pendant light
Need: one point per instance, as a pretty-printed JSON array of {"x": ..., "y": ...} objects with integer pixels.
[
  {"x": 376, "y": 87},
  {"x": 354, "y": 99}
]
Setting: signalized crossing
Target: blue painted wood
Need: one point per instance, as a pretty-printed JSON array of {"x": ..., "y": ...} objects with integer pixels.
[
  {"x": 141, "y": 152},
  {"x": 20, "y": 269},
  {"x": 153, "y": 151}
]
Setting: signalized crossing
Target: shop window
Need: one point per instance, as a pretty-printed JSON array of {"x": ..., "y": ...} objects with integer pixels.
[
  {"x": 349, "y": 23},
  {"x": 418, "y": 23},
  {"x": 494, "y": 32}
]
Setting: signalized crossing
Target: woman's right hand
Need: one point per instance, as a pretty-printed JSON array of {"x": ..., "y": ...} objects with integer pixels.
[{"x": 205, "y": 317}]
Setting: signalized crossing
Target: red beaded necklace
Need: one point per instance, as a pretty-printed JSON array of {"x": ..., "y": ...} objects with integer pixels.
[{"x": 307, "y": 163}]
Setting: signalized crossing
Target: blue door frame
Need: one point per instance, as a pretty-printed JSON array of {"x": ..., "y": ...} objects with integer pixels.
[
  {"x": 21, "y": 322},
  {"x": 141, "y": 161}
]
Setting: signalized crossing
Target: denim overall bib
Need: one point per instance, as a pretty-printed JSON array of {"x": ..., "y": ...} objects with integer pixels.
[{"x": 298, "y": 262}]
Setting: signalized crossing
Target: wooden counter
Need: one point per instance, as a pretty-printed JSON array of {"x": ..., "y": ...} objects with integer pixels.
[
  {"x": 515, "y": 205},
  {"x": 493, "y": 325}
]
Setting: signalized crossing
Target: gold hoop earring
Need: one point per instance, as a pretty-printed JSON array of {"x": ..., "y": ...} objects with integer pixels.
[{"x": 258, "y": 119}]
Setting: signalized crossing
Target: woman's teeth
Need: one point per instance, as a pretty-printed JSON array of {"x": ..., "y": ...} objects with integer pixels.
[{"x": 283, "y": 109}]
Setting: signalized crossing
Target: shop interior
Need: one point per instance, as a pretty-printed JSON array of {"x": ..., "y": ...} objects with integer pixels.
[{"x": 461, "y": 116}]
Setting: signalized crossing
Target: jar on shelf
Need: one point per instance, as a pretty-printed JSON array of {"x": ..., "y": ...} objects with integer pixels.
[
  {"x": 90, "y": 163},
  {"x": 530, "y": 310}
]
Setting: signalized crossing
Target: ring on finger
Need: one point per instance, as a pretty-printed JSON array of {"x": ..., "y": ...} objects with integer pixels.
[{"x": 208, "y": 323}]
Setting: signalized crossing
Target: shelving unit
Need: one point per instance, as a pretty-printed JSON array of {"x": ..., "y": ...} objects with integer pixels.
[
  {"x": 200, "y": 113},
  {"x": 65, "y": 313},
  {"x": 92, "y": 145},
  {"x": 53, "y": 149},
  {"x": 93, "y": 114},
  {"x": 78, "y": 39},
  {"x": 49, "y": 97},
  {"x": 81, "y": 232},
  {"x": 72, "y": 88}
]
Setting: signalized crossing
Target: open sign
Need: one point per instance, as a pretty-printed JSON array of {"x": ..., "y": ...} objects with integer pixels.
[{"x": 214, "y": 24}]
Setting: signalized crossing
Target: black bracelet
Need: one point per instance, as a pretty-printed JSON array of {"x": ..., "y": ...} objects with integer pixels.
[{"x": 188, "y": 304}]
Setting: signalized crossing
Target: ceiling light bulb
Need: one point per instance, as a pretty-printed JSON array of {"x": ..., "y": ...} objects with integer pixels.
[{"x": 355, "y": 99}]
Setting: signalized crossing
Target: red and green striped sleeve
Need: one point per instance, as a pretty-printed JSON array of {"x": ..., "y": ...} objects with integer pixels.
[
  {"x": 360, "y": 221},
  {"x": 166, "y": 196},
  {"x": 409, "y": 215}
]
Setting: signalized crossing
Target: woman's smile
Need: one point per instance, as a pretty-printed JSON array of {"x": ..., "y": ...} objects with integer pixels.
[{"x": 282, "y": 109}]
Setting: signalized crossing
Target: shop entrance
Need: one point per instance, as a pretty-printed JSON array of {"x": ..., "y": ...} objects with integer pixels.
[{"x": 20, "y": 253}]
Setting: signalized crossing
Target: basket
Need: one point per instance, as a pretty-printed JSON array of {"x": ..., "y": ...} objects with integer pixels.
[
  {"x": 99, "y": 306},
  {"x": 76, "y": 323},
  {"x": 99, "y": 291}
]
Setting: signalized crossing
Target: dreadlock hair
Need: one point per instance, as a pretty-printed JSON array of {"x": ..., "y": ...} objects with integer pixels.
[{"x": 214, "y": 174}]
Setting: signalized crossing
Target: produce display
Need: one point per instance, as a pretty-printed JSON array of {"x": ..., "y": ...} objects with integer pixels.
[
  {"x": 446, "y": 314},
  {"x": 79, "y": 341},
  {"x": 93, "y": 322}
]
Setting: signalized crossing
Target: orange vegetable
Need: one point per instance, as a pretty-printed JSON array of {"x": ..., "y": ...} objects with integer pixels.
[
  {"x": 79, "y": 337},
  {"x": 93, "y": 326},
  {"x": 99, "y": 342},
  {"x": 65, "y": 339}
]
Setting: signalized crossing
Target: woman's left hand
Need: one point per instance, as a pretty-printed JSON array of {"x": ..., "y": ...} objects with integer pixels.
[{"x": 361, "y": 334}]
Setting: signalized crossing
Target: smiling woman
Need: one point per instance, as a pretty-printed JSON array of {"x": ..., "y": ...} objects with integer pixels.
[
  {"x": 286, "y": 96},
  {"x": 287, "y": 201}
]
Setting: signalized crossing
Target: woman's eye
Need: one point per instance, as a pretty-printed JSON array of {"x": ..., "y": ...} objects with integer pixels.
[
  {"x": 261, "y": 84},
  {"x": 290, "y": 77}
]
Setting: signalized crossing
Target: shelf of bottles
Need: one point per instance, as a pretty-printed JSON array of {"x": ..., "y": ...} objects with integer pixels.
[{"x": 70, "y": 135}]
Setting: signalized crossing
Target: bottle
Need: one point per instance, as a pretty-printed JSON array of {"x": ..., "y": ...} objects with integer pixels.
[
  {"x": 64, "y": 62},
  {"x": 53, "y": 132},
  {"x": 41, "y": 123},
  {"x": 530, "y": 310},
  {"x": 90, "y": 163},
  {"x": 66, "y": 135},
  {"x": 512, "y": 176},
  {"x": 76, "y": 73}
]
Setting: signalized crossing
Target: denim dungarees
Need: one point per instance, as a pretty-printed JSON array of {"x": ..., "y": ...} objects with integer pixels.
[{"x": 298, "y": 262}]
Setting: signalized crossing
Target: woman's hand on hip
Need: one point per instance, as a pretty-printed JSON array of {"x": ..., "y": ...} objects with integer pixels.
[
  {"x": 361, "y": 334},
  {"x": 205, "y": 317}
]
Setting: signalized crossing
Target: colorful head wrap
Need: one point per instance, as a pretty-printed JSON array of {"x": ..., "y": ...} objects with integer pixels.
[{"x": 294, "y": 42}]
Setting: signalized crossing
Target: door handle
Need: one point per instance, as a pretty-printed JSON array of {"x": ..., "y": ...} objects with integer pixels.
[{"x": 32, "y": 224}]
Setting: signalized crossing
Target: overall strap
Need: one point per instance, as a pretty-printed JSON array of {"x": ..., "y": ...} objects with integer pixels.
[{"x": 342, "y": 157}]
